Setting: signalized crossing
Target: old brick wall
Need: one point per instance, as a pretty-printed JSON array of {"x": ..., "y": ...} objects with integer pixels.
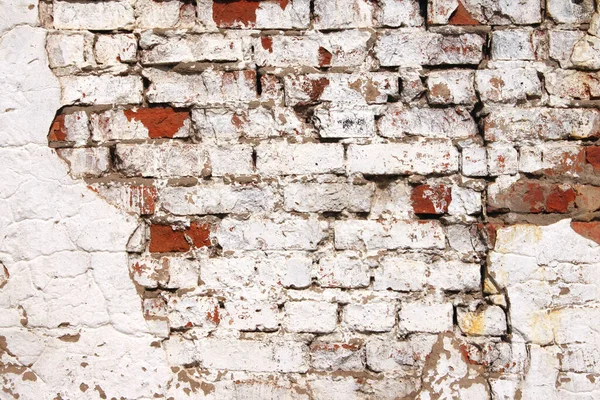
[{"x": 300, "y": 199}]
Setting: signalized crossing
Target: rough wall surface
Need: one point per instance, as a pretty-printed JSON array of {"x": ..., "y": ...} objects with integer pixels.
[{"x": 299, "y": 199}]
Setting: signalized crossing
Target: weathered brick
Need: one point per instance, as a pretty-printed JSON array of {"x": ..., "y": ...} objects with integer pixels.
[
  {"x": 572, "y": 85},
  {"x": 561, "y": 44},
  {"x": 570, "y": 12},
  {"x": 387, "y": 355},
  {"x": 140, "y": 123},
  {"x": 343, "y": 14},
  {"x": 345, "y": 123},
  {"x": 167, "y": 238},
  {"x": 528, "y": 196},
  {"x": 115, "y": 49},
  {"x": 428, "y": 199},
  {"x": 336, "y": 49},
  {"x": 98, "y": 16},
  {"x": 225, "y": 126},
  {"x": 491, "y": 12},
  {"x": 518, "y": 44},
  {"x": 427, "y": 48},
  {"x": 310, "y": 316},
  {"x": 451, "y": 87},
  {"x": 588, "y": 198},
  {"x": 252, "y": 315},
  {"x": 502, "y": 159},
  {"x": 69, "y": 50},
  {"x": 327, "y": 197},
  {"x": 163, "y": 14},
  {"x": 192, "y": 48},
  {"x": 406, "y": 275},
  {"x": 422, "y": 317},
  {"x": 336, "y": 357},
  {"x": 553, "y": 159},
  {"x": 258, "y": 234},
  {"x": 102, "y": 89},
  {"x": 396, "y": 13},
  {"x": 94, "y": 161},
  {"x": 205, "y": 89},
  {"x": 508, "y": 85},
  {"x": 421, "y": 157},
  {"x": 451, "y": 123},
  {"x": 354, "y": 234},
  {"x": 532, "y": 124},
  {"x": 487, "y": 321},
  {"x": 216, "y": 199},
  {"x": 72, "y": 127},
  {"x": 138, "y": 199},
  {"x": 344, "y": 270},
  {"x": 299, "y": 159},
  {"x": 357, "y": 88},
  {"x": 190, "y": 311},
  {"x": 474, "y": 161},
  {"x": 269, "y": 14},
  {"x": 371, "y": 317}
]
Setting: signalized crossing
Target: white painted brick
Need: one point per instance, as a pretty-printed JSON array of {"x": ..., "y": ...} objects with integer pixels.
[
  {"x": 298, "y": 159},
  {"x": 192, "y": 48},
  {"x": 103, "y": 89},
  {"x": 518, "y": 44},
  {"x": 402, "y": 274},
  {"x": 502, "y": 159},
  {"x": 252, "y": 316},
  {"x": 82, "y": 162},
  {"x": 343, "y": 270},
  {"x": 97, "y": 16},
  {"x": 162, "y": 160},
  {"x": 225, "y": 126},
  {"x": 323, "y": 197},
  {"x": 388, "y": 355},
  {"x": 343, "y": 14},
  {"x": 464, "y": 202},
  {"x": 68, "y": 50},
  {"x": 216, "y": 198},
  {"x": 115, "y": 49},
  {"x": 183, "y": 273},
  {"x": 489, "y": 321},
  {"x": 256, "y": 234},
  {"x": 77, "y": 128},
  {"x": 149, "y": 272},
  {"x": 370, "y": 317},
  {"x": 192, "y": 311},
  {"x": 336, "y": 357},
  {"x": 232, "y": 160},
  {"x": 421, "y": 157},
  {"x": 399, "y": 121},
  {"x": 474, "y": 161},
  {"x": 337, "y": 88},
  {"x": 155, "y": 313},
  {"x": 310, "y": 316},
  {"x": 345, "y": 123},
  {"x": 451, "y": 87},
  {"x": 352, "y": 234},
  {"x": 163, "y": 14},
  {"x": 427, "y": 48},
  {"x": 421, "y": 317},
  {"x": 336, "y": 49},
  {"x": 531, "y": 124},
  {"x": 396, "y": 13},
  {"x": 508, "y": 85},
  {"x": 572, "y": 85},
  {"x": 412, "y": 85},
  {"x": 254, "y": 356},
  {"x": 207, "y": 88}
]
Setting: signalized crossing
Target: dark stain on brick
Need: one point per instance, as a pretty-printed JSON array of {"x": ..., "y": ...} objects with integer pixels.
[{"x": 160, "y": 122}]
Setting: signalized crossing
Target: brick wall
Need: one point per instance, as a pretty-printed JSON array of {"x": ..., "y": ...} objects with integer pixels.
[{"x": 345, "y": 199}]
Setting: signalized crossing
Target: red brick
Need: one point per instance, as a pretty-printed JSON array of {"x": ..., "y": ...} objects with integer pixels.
[
  {"x": 58, "y": 131},
  {"x": 592, "y": 156},
  {"x": 533, "y": 197},
  {"x": 164, "y": 239},
  {"x": 229, "y": 13},
  {"x": 590, "y": 230},
  {"x": 143, "y": 198},
  {"x": 160, "y": 122},
  {"x": 431, "y": 199}
]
